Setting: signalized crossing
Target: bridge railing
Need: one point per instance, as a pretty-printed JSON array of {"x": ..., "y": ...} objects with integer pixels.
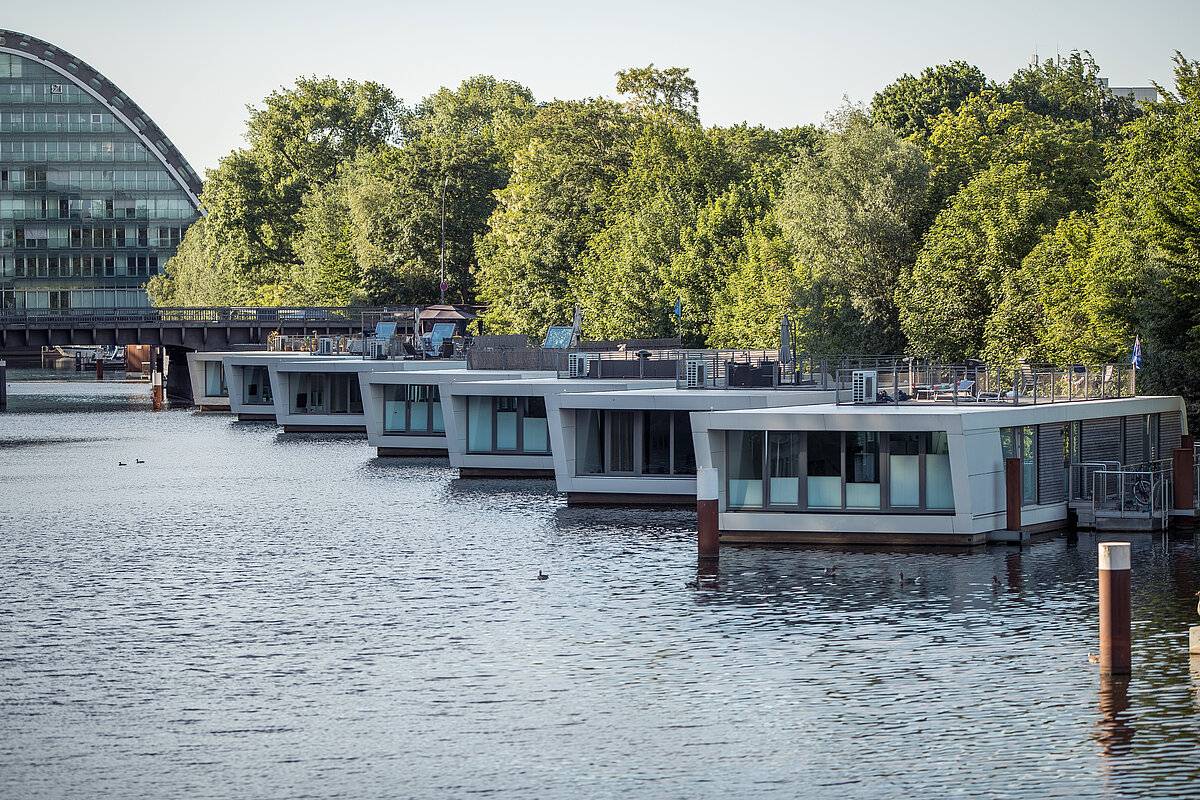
[{"x": 287, "y": 315}]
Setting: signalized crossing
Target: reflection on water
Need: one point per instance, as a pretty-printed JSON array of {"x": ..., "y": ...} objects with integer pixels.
[
  {"x": 250, "y": 615},
  {"x": 1114, "y": 730}
]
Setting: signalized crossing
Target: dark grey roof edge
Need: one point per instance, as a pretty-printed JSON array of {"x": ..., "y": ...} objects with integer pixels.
[{"x": 94, "y": 83}]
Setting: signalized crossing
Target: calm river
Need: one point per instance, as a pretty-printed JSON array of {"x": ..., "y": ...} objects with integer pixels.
[{"x": 249, "y": 614}]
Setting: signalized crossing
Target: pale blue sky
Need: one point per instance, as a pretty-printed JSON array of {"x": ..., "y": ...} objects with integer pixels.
[{"x": 194, "y": 66}]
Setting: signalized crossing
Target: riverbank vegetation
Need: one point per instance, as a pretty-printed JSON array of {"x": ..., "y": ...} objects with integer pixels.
[{"x": 1040, "y": 217}]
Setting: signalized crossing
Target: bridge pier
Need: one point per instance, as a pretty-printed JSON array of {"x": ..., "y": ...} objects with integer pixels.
[{"x": 179, "y": 379}]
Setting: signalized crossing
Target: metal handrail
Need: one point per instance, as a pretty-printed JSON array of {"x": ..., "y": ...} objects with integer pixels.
[{"x": 1132, "y": 494}]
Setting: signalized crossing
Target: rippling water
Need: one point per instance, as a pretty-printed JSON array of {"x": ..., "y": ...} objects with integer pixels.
[{"x": 250, "y": 614}]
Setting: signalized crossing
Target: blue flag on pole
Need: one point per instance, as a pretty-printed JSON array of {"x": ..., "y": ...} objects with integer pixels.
[
  {"x": 678, "y": 312},
  {"x": 1136, "y": 360}
]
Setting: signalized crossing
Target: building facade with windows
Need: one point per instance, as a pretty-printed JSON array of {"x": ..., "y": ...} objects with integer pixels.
[{"x": 94, "y": 198}]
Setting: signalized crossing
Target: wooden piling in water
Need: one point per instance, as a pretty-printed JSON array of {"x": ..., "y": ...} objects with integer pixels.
[
  {"x": 1184, "y": 463},
  {"x": 1115, "y": 614},
  {"x": 1012, "y": 493},
  {"x": 708, "y": 536},
  {"x": 99, "y": 367},
  {"x": 3, "y": 385},
  {"x": 156, "y": 390}
]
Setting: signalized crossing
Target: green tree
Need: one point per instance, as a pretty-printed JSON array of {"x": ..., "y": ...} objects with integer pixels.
[
  {"x": 572, "y": 154},
  {"x": 1070, "y": 89},
  {"x": 967, "y": 268},
  {"x": 909, "y": 105},
  {"x": 298, "y": 140},
  {"x": 666, "y": 93},
  {"x": 848, "y": 213}
]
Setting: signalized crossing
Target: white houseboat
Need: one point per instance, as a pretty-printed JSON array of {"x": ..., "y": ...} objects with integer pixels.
[
  {"x": 500, "y": 428},
  {"x": 210, "y": 389},
  {"x": 933, "y": 472},
  {"x": 403, "y": 409},
  {"x": 635, "y": 447}
]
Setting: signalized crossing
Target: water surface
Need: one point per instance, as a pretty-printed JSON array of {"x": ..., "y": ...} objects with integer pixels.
[{"x": 254, "y": 614}]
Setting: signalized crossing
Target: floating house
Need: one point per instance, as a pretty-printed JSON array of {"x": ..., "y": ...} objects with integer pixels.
[
  {"x": 501, "y": 428},
  {"x": 403, "y": 409},
  {"x": 932, "y": 472},
  {"x": 210, "y": 389},
  {"x": 635, "y": 447},
  {"x": 251, "y": 395}
]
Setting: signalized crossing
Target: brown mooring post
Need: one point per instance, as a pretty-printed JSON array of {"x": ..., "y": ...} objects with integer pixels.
[
  {"x": 3, "y": 384},
  {"x": 1183, "y": 461},
  {"x": 707, "y": 533},
  {"x": 156, "y": 390},
  {"x": 1115, "y": 563},
  {"x": 1012, "y": 493},
  {"x": 99, "y": 367}
]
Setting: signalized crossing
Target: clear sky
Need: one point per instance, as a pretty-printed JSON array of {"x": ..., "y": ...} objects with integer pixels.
[{"x": 194, "y": 66}]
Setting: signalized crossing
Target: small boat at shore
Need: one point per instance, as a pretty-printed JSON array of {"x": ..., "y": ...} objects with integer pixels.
[{"x": 113, "y": 356}]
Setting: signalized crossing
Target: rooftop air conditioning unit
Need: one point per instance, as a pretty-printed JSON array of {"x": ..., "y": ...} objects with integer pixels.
[
  {"x": 325, "y": 347},
  {"x": 377, "y": 349},
  {"x": 863, "y": 385},
  {"x": 577, "y": 365},
  {"x": 696, "y": 374}
]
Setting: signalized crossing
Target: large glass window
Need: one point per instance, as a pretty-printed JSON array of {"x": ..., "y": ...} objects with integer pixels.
[
  {"x": 589, "y": 442},
  {"x": 1021, "y": 443},
  {"x": 620, "y": 441},
  {"x": 824, "y": 469},
  {"x": 682, "y": 447},
  {"x": 308, "y": 393},
  {"x": 534, "y": 431},
  {"x": 656, "y": 442},
  {"x": 783, "y": 468},
  {"x": 506, "y": 425},
  {"x": 214, "y": 380},
  {"x": 836, "y": 471},
  {"x": 939, "y": 488},
  {"x": 479, "y": 424},
  {"x": 256, "y": 383},
  {"x": 635, "y": 442},
  {"x": 412, "y": 408},
  {"x": 862, "y": 470},
  {"x": 744, "y": 459},
  {"x": 904, "y": 470}
]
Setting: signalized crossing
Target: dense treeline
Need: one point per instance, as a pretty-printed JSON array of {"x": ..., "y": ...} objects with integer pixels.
[{"x": 1041, "y": 217}]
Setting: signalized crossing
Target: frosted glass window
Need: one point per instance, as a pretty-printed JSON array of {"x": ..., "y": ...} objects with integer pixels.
[
  {"x": 904, "y": 470},
  {"x": 506, "y": 423},
  {"x": 939, "y": 489},
  {"x": 824, "y": 470},
  {"x": 744, "y": 459},
  {"x": 394, "y": 407},
  {"x": 783, "y": 468},
  {"x": 862, "y": 470},
  {"x": 439, "y": 425},
  {"x": 535, "y": 436},
  {"x": 419, "y": 403},
  {"x": 589, "y": 442},
  {"x": 479, "y": 424}
]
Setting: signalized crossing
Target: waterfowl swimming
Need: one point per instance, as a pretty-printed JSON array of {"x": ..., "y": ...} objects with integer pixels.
[
  {"x": 138, "y": 460},
  {"x": 122, "y": 464},
  {"x": 1093, "y": 659},
  {"x": 543, "y": 576}
]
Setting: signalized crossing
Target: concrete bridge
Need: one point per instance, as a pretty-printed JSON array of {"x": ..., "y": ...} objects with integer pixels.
[
  {"x": 202, "y": 329},
  {"x": 180, "y": 330}
]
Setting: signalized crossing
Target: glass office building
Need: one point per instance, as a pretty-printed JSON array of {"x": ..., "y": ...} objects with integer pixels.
[{"x": 93, "y": 196}]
